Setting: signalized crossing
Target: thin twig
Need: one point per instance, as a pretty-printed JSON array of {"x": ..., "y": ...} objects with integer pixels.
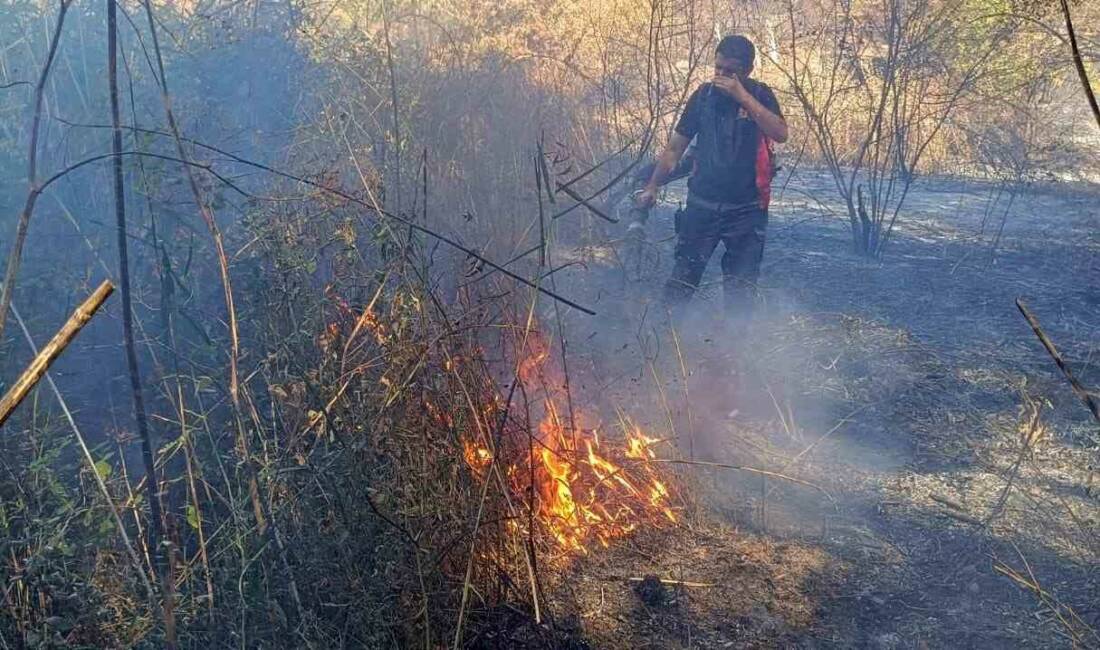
[
  {"x": 1075, "y": 626},
  {"x": 395, "y": 134},
  {"x": 144, "y": 154},
  {"x": 743, "y": 468},
  {"x": 260, "y": 505},
  {"x": 585, "y": 202},
  {"x": 676, "y": 583},
  {"x": 495, "y": 441},
  {"x": 480, "y": 509},
  {"x": 16, "y": 254},
  {"x": 377, "y": 211}
]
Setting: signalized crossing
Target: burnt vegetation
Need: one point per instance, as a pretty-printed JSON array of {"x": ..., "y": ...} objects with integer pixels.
[{"x": 348, "y": 346}]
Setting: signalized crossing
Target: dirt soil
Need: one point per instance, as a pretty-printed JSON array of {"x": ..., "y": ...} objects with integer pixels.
[{"x": 951, "y": 503}]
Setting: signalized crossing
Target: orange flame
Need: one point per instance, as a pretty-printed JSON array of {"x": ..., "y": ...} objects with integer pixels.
[
  {"x": 477, "y": 457},
  {"x": 578, "y": 490},
  {"x": 582, "y": 491}
]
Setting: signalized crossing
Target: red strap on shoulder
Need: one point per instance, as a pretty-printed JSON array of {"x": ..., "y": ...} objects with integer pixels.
[{"x": 764, "y": 172}]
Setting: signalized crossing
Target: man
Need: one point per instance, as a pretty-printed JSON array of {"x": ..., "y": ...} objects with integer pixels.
[{"x": 732, "y": 118}]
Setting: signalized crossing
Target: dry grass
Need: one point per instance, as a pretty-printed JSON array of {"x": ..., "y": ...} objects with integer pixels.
[{"x": 725, "y": 588}]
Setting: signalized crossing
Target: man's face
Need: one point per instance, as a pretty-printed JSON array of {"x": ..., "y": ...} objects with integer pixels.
[{"x": 730, "y": 67}]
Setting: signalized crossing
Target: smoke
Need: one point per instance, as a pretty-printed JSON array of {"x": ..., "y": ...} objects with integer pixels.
[{"x": 783, "y": 392}]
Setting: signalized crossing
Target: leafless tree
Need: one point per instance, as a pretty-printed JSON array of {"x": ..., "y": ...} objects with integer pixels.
[{"x": 876, "y": 83}]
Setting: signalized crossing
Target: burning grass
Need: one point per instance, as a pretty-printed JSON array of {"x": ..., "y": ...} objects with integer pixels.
[
  {"x": 581, "y": 486},
  {"x": 489, "y": 472}
]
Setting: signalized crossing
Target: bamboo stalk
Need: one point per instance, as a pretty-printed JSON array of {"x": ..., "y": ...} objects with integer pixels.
[
  {"x": 161, "y": 554},
  {"x": 261, "y": 509},
  {"x": 37, "y": 369}
]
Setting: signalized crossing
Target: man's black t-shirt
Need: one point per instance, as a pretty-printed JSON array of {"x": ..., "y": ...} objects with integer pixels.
[{"x": 726, "y": 144}]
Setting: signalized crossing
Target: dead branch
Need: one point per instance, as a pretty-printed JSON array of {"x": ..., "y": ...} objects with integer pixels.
[
  {"x": 965, "y": 518},
  {"x": 1054, "y": 354},
  {"x": 947, "y": 501},
  {"x": 53, "y": 349}
]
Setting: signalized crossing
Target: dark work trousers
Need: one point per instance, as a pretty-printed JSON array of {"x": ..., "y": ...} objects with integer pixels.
[{"x": 741, "y": 230}]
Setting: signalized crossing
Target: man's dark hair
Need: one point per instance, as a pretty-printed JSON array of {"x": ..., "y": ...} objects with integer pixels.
[{"x": 737, "y": 47}]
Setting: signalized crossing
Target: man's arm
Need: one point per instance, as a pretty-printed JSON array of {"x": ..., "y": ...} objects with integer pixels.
[
  {"x": 773, "y": 125},
  {"x": 666, "y": 162}
]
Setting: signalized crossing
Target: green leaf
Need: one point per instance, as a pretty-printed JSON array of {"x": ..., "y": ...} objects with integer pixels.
[
  {"x": 193, "y": 517},
  {"x": 103, "y": 468}
]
